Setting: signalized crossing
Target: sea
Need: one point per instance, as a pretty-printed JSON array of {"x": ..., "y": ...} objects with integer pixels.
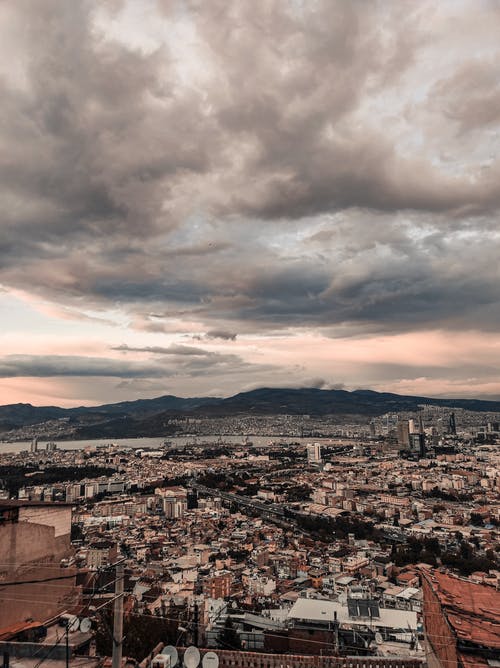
[{"x": 159, "y": 442}]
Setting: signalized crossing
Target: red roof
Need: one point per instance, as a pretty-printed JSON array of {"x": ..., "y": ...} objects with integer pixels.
[
  {"x": 473, "y": 610},
  {"x": 9, "y": 631},
  {"x": 472, "y": 661}
]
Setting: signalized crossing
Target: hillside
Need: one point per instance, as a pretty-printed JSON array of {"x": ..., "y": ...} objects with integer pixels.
[{"x": 149, "y": 417}]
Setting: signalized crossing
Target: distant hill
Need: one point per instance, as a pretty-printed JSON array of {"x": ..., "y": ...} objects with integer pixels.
[
  {"x": 148, "y": 406},
  {"x": 312, "y": 401},
  {"x": 22, "y": 414},
  {"x": 19, "y": 415},
  {"x": 149, "y": 417}
]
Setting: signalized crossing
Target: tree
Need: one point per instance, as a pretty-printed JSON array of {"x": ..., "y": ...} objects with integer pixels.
[
  {"x": 476, "y": 520},
  {"x": 228, "y": 638},
  {"x": 76, "y": 532},
  {"x": 298, "y": 493},
  {"x": 432, "y": 545},
  {"x": 141, "y": 631}
]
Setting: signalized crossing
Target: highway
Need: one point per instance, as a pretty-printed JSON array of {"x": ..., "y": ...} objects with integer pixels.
[
  {"x": 266, "y": 510},
  {"x": 275, "y": 512}
]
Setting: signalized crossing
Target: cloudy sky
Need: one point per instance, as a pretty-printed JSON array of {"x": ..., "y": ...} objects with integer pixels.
[{"x": 205, "y": 197}]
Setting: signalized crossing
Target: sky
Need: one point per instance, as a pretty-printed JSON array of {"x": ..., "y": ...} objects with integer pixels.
[{"x": 200, "y": 198}]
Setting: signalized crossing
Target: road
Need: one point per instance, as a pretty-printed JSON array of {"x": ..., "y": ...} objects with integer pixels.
[{"x": 276, "y": 513}]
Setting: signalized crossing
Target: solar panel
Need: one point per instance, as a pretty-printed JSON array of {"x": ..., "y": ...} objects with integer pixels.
[
  {"x": 352, "y": 607},
  {"x": 374, "y": 608},
  {"x": 363, "y": 607}
]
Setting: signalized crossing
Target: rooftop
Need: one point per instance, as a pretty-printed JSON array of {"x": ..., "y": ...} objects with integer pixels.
[
  {"x": 473, "y": 610},
  {"x": 314, "y": 610}
]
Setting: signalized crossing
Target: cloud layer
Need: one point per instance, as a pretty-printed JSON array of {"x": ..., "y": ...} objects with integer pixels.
[{"x": 232, "y": 172}]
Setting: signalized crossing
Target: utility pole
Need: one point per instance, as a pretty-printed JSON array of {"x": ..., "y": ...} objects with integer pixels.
[
  {"x": 67, "y": 643},
  {"x": 118, "y": 617},
  {"x": 195, "y": 623},
  {"x": 335, "y": 634}
]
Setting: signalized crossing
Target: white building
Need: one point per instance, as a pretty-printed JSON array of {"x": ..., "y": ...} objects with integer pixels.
[{"x": 314, "y": 453}]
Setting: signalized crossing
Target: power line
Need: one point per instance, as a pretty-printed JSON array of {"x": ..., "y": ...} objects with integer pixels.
[
  {"x": 23, "y": 582},
  {"x": 84, "y": 611},
  {"x": 38, "y": 600},
  {"x": 33, "y": 564},
  {"x": 175, "y": 619}
]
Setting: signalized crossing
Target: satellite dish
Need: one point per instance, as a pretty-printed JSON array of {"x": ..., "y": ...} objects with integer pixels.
[
  {"x": 210, "y": 660},
  {"x": 171, "y": 652},
  {"x": 85, "y": 625},
  {"x": 192, "y": 657},
  {"x": 378, "y": 638},
  {"x": 73, "y": 624}
]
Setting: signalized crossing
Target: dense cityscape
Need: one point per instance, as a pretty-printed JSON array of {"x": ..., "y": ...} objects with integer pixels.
[{"x": 258, "y": 545}]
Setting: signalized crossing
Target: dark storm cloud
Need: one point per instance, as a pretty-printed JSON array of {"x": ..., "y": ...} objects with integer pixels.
[
  {"x": 221, "y": 334},
  {"x": 160, "y": 350},
  {"x": 179, "y": 351},
  {"x": 271, "y": 188},
  {"x": 41, "y": 366},
  {"x": 214, "y": 334},
  {"x": 292, "y": 76},
  {"x": 93, "y": 140},
  {"x": 379, "y": 279},
  {"x": 172, "y": 361},
  {"x": 193, "y": 361}
]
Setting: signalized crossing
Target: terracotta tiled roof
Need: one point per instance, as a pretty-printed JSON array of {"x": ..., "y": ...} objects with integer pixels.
[
  {"x": 472, "y": 609},
  {"x": 8, "y": 631},
  {"x": 472, "y": 661}
]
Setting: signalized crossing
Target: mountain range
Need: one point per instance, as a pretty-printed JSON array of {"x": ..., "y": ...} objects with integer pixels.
[{"x": 148, "y": 417}]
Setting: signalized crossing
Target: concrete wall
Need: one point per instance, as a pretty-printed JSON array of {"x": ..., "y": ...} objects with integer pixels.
[
  {"x": 230, "y": 659},
  {"x": 31, "y": 551},
  {"x": 24, "y": 543},
  {"x": 57, "y": 517}
]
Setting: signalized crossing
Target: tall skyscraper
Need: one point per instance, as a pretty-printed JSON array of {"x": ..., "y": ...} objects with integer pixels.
[
  {"x": 34, "y": 444},
  {"x": 420, "y": 424},
  {"x": 452, "y": 425},
  {"x": 403, "y": 432},
  {"x": 417, "y": 444}
]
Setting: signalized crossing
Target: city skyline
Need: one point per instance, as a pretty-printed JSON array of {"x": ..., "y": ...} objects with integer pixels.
[{"x": 202, "y": 198}]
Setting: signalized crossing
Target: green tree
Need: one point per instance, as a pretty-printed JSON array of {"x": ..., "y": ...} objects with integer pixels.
[
  {"x": 76, "y": 532},
  {"x": 141, "y": 631},
  {"x": 228, "y": 637}
]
